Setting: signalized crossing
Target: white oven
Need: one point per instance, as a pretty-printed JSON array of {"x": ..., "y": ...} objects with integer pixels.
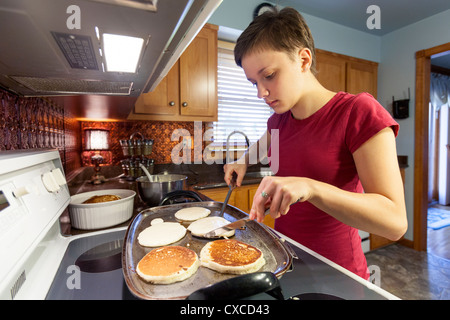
[{"x": 33, "y": 194}]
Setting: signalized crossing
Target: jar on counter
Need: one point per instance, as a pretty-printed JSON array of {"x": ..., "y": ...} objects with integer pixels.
[
  {"x": 132, "y": 170},
  {"x": 147, "y": 147}
]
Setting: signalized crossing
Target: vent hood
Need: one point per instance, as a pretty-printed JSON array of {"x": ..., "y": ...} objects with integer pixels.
[{"x": 55, "y": 47}]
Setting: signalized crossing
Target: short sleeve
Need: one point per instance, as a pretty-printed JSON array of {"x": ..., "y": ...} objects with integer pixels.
[
  {"x": 276, "y": 120},
  {"x": 366, "y": 118}
]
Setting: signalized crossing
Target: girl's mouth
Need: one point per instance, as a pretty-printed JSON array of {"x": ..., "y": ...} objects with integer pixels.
[{"x": 271, "y": 103}]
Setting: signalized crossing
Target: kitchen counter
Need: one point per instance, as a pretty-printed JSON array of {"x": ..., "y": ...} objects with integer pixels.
[{"x": 198, "y": 175}]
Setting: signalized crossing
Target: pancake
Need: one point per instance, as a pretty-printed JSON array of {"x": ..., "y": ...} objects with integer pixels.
[
  {"x": 200, "y": 227},
  {"x": 168, "y": 265},
  {"x": 231, "y": 256},
  {"x": 192, "y": 213},
  {"x": 161, "y": 234},
  {"x": 103, "y": 198}
]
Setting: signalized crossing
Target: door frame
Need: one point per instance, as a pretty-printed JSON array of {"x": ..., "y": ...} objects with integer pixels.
[{"x": 422, "y": 98}]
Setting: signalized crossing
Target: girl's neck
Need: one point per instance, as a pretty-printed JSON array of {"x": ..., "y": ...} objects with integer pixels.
[{"x": 312, "y": 99}]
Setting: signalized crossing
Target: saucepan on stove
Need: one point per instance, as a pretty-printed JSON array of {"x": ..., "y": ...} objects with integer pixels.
[{"x": 153, "y": 189}]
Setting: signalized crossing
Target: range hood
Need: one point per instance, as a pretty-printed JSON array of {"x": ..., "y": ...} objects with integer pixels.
[{"x": 55, "y": 47}]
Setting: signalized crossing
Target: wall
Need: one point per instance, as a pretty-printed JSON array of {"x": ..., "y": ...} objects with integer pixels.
[
  {"x": 36, "y": 123},
  {"x": 396, "y": 74},
  {"x": 237, "y": 14},
  {"x": 160, "y": 132}
]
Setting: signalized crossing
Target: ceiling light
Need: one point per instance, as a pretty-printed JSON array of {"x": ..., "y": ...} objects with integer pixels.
[{"x": 122, "y": 53}]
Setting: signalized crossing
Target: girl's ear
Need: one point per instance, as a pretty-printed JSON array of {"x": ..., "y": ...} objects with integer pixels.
[{"x": 305, "y": 57}]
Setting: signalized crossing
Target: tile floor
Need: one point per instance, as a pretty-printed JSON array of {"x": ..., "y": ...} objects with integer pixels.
[{"x": 416, "y": 275}]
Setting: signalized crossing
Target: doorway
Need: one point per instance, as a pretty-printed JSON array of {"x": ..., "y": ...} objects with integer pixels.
[{"x": 421, "y": 161}]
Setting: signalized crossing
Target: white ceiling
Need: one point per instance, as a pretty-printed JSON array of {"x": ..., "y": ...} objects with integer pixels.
[{"x": 395, "y": 14}]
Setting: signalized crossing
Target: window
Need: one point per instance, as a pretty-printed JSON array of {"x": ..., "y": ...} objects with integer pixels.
[{"x": 239, "y": 107}]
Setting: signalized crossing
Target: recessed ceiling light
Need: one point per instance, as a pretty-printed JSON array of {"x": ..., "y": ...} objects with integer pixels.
[{"x": 122, "y": 53}]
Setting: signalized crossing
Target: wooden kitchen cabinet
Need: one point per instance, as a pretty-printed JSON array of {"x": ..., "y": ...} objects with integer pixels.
[
  {"x": 339, "y": 72},
  {"x": 189, "y": 91},
  {"x": 241, "y": 198}
]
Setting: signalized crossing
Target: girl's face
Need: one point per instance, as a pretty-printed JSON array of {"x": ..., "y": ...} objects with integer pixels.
[{"x": 278, "y": 78}]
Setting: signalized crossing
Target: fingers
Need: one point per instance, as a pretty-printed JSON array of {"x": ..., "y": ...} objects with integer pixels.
[
  {"x": 234, "y": 173},
  {"x": 277, "y": 194}
]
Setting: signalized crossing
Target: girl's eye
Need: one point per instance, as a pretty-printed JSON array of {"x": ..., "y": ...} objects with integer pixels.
[{"x": 270, "y": 76}]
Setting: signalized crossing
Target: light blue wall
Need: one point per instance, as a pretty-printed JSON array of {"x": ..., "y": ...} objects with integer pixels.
[
  {"x": 395, "y": 53},
  {"x": 237, "y": 14},
  {"x": 397, "y": 72}
]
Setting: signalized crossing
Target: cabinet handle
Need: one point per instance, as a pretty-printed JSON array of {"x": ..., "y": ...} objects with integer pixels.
[
  {"x": 185, "y": 104},
  {"x": 171, "y": 103}
]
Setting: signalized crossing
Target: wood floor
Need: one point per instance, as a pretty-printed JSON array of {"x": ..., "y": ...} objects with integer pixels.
[{"x": 416, "y": 275}]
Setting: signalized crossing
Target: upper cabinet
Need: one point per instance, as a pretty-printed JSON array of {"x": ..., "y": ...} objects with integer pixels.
[
  {"x": 338, "y": 72},
  {"x": 189, "y": 91}
]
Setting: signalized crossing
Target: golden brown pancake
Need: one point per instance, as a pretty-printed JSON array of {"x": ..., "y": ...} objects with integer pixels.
[
  {"x": 104, "y": 198},
  {"x": 231, "y": 256},
  {"x": 168, "y": 265}
]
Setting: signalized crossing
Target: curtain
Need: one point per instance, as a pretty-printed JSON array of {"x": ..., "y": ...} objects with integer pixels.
[
  {"x": 439, "y": 90},
  {"x": 439, "y": 138}
]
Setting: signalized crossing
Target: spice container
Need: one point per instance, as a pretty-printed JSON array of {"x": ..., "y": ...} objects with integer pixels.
[
  {"x": 132, "y": 170},
  {"x": 136, "y": 149}
]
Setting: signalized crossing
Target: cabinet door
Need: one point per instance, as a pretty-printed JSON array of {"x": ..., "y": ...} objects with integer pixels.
[
  {"x": 164, "y": 99},
  {"x": 198, "y": 76},
  {"x": 331, "y": 71},
  {"x": 219, "y": 194},
  {"x": 362, "y": 77}
]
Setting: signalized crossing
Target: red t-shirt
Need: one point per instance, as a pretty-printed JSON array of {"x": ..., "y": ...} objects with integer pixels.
[{"x": 320, "y": 147}]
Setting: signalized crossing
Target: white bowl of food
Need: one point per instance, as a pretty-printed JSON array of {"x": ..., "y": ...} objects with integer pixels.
[{"x": 101, "y": 209}]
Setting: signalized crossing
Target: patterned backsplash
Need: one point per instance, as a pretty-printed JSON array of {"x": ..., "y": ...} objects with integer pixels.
[
  {"x": 159, "y": 131},
  {"x": 37, "y": 123}
]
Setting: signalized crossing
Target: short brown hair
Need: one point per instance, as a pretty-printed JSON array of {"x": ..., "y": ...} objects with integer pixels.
[{"x": 284, "y": 30}]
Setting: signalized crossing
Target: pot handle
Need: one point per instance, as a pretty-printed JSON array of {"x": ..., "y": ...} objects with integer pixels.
[
  {"x": 241, "y": 287},
  {"x": 178, "y": 194}
]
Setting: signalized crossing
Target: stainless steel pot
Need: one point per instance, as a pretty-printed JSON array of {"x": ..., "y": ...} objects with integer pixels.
[{"x": 153, "y": 191}]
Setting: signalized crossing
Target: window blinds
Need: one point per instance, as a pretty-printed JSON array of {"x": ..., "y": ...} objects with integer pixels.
[{"x": 239, "y": 107}]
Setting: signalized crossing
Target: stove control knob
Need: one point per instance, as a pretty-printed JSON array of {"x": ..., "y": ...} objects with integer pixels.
[
  {"x": 21, "y": 191},
  {"x": 59, "y": 177},
  {"x": 50, "y": 182}
]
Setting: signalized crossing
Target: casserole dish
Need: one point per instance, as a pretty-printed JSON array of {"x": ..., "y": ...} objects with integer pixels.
[{"x": 88, "y": 216}]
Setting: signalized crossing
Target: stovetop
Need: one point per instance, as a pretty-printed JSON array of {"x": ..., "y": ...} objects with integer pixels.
[{"x": 91, "y": 269}]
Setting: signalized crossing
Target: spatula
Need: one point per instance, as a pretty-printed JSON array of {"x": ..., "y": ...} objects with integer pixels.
[{"x": 238, "y": 224}]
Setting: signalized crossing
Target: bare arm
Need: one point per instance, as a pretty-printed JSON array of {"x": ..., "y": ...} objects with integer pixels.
[{"x": 380, "y": 210}]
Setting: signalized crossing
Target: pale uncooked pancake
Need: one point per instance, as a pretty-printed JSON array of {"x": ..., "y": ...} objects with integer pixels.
[
  {"x": 168, "y": 265},
  {"x": 192, "y": 213},
  {"x": 231, "y": 256},
  {"x": 200, "y": 227},
  {"x": 161, "y": 234}
]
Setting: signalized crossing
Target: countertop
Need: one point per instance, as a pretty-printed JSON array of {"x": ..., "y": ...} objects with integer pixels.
[{"x": 199, "y": 177}]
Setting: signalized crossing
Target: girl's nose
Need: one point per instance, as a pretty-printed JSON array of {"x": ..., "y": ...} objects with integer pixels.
[{"x": 262, "y": 92}]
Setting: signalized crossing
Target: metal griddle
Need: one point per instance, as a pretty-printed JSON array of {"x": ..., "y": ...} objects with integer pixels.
[{"x": 278, "y": 259}]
